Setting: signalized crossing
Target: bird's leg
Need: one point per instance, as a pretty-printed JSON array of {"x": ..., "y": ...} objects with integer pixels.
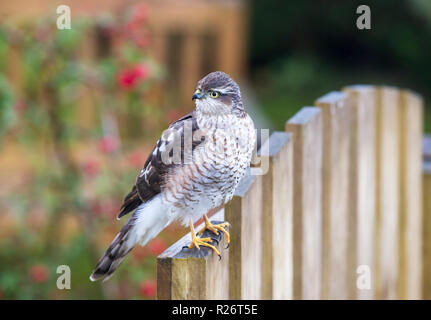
[
  {"x": 201, "y": 241},
  {"x": 215, "y": 227}
]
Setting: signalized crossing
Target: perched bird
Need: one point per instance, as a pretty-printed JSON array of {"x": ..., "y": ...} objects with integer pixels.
[{"x": 194, "y": 167}]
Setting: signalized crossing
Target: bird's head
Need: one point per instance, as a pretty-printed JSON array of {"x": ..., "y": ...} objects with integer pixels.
[{"x": 217, "y": 93}]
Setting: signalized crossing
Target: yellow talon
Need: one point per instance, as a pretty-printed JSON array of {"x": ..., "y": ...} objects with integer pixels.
[
  {"x": 215, "y": 228},
  {"x": 196, "y": 242}
]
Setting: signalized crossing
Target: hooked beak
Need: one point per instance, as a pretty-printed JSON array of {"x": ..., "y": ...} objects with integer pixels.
[{"x": 197, "y": 95}]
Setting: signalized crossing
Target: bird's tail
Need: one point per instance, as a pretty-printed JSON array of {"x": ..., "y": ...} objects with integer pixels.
[
  {"x": 145, "y": 224},
  {"x": 116, "y": 253}
]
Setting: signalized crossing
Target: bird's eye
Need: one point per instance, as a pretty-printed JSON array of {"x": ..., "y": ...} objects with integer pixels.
[{"x": 214, "y": 94}]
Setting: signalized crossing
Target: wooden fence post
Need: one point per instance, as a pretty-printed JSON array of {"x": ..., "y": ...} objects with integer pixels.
[
  {"x": 342, "y": 195},
  {"x": 410, "y": 195},
  {"x": 244, "y": 213},
  {"x": 362, "y": 190},
  {"x": 336, "y": 273},
  {"x": 277, "y": 218},
  {"x": 387, "y": 200},
  {"x": 184, "y": 274},
  {"x": 306, "y": 129},
  {"x": 426, "y": 236}
]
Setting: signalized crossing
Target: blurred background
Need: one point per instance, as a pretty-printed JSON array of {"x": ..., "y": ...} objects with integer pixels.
[{"x": 80, "y": 109}]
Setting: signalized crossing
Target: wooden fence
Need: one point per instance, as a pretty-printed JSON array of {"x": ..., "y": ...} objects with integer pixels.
[{"x": 341, "y": 212}]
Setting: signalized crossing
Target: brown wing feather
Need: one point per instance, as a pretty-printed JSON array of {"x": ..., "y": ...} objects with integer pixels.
[{"x": 152, "y": 176}]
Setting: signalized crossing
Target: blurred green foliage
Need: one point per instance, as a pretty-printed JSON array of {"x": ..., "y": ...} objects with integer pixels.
[
  {"x": 59, "y": 208},
  {"x": 300, "y": 50}
]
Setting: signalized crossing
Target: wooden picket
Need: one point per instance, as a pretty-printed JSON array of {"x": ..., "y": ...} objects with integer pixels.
[
  {"x": 410, "y": 192},
  {"x": 194, "y": 274},
  {"x": 387, "y": 204},
  {"x": 336, "y": 217},
  {"x": 277, "y": 217},
  {"x": 244, "y": 212},
  {"x": 306, "y": 129},
  {"x": 341, "y": 210},
  {"x": 362, "y": 187}
]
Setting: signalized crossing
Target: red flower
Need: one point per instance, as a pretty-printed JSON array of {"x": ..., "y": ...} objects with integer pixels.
[
  {"x": 128, "y": 78},
  {"x": 136, "y": 159},
  {"x": 20, "y": 106},
  {"x": 147, "y": 288},
  {"x": 96, "y": 208},
  {"x": 143, "y": 40},
  {"x": 91, "y": 167},
  {"x": 104, "y": 207},
  {"x": 38, "y": 273},
  {"x": 137, "y": 19},
  {"x": 139, "y": 253},
  {"x": 108, "y": 144},
  {"x": 157, "y": 246},
  {"x": 140, "y": 12}
]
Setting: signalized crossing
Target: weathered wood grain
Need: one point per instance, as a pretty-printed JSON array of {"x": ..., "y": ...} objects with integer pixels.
[
  {"x": 244, "y": 213},
  {"x": 277, "y": 218},
  {"x": 387, "y": 192},
  {"x": 336, "y": 273},
  {"x": 410, "y": 196},
  {"x": 190, "y": 274},
  {"x": 362, "y": 191},
  {"x": 306, "y": 129}
]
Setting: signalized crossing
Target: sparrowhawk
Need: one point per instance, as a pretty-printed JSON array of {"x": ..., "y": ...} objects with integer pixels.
[{"x": 194, "y": 167}]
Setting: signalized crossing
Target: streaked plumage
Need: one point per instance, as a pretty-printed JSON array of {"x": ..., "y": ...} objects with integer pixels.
[{"x": 215, "y": 144}]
